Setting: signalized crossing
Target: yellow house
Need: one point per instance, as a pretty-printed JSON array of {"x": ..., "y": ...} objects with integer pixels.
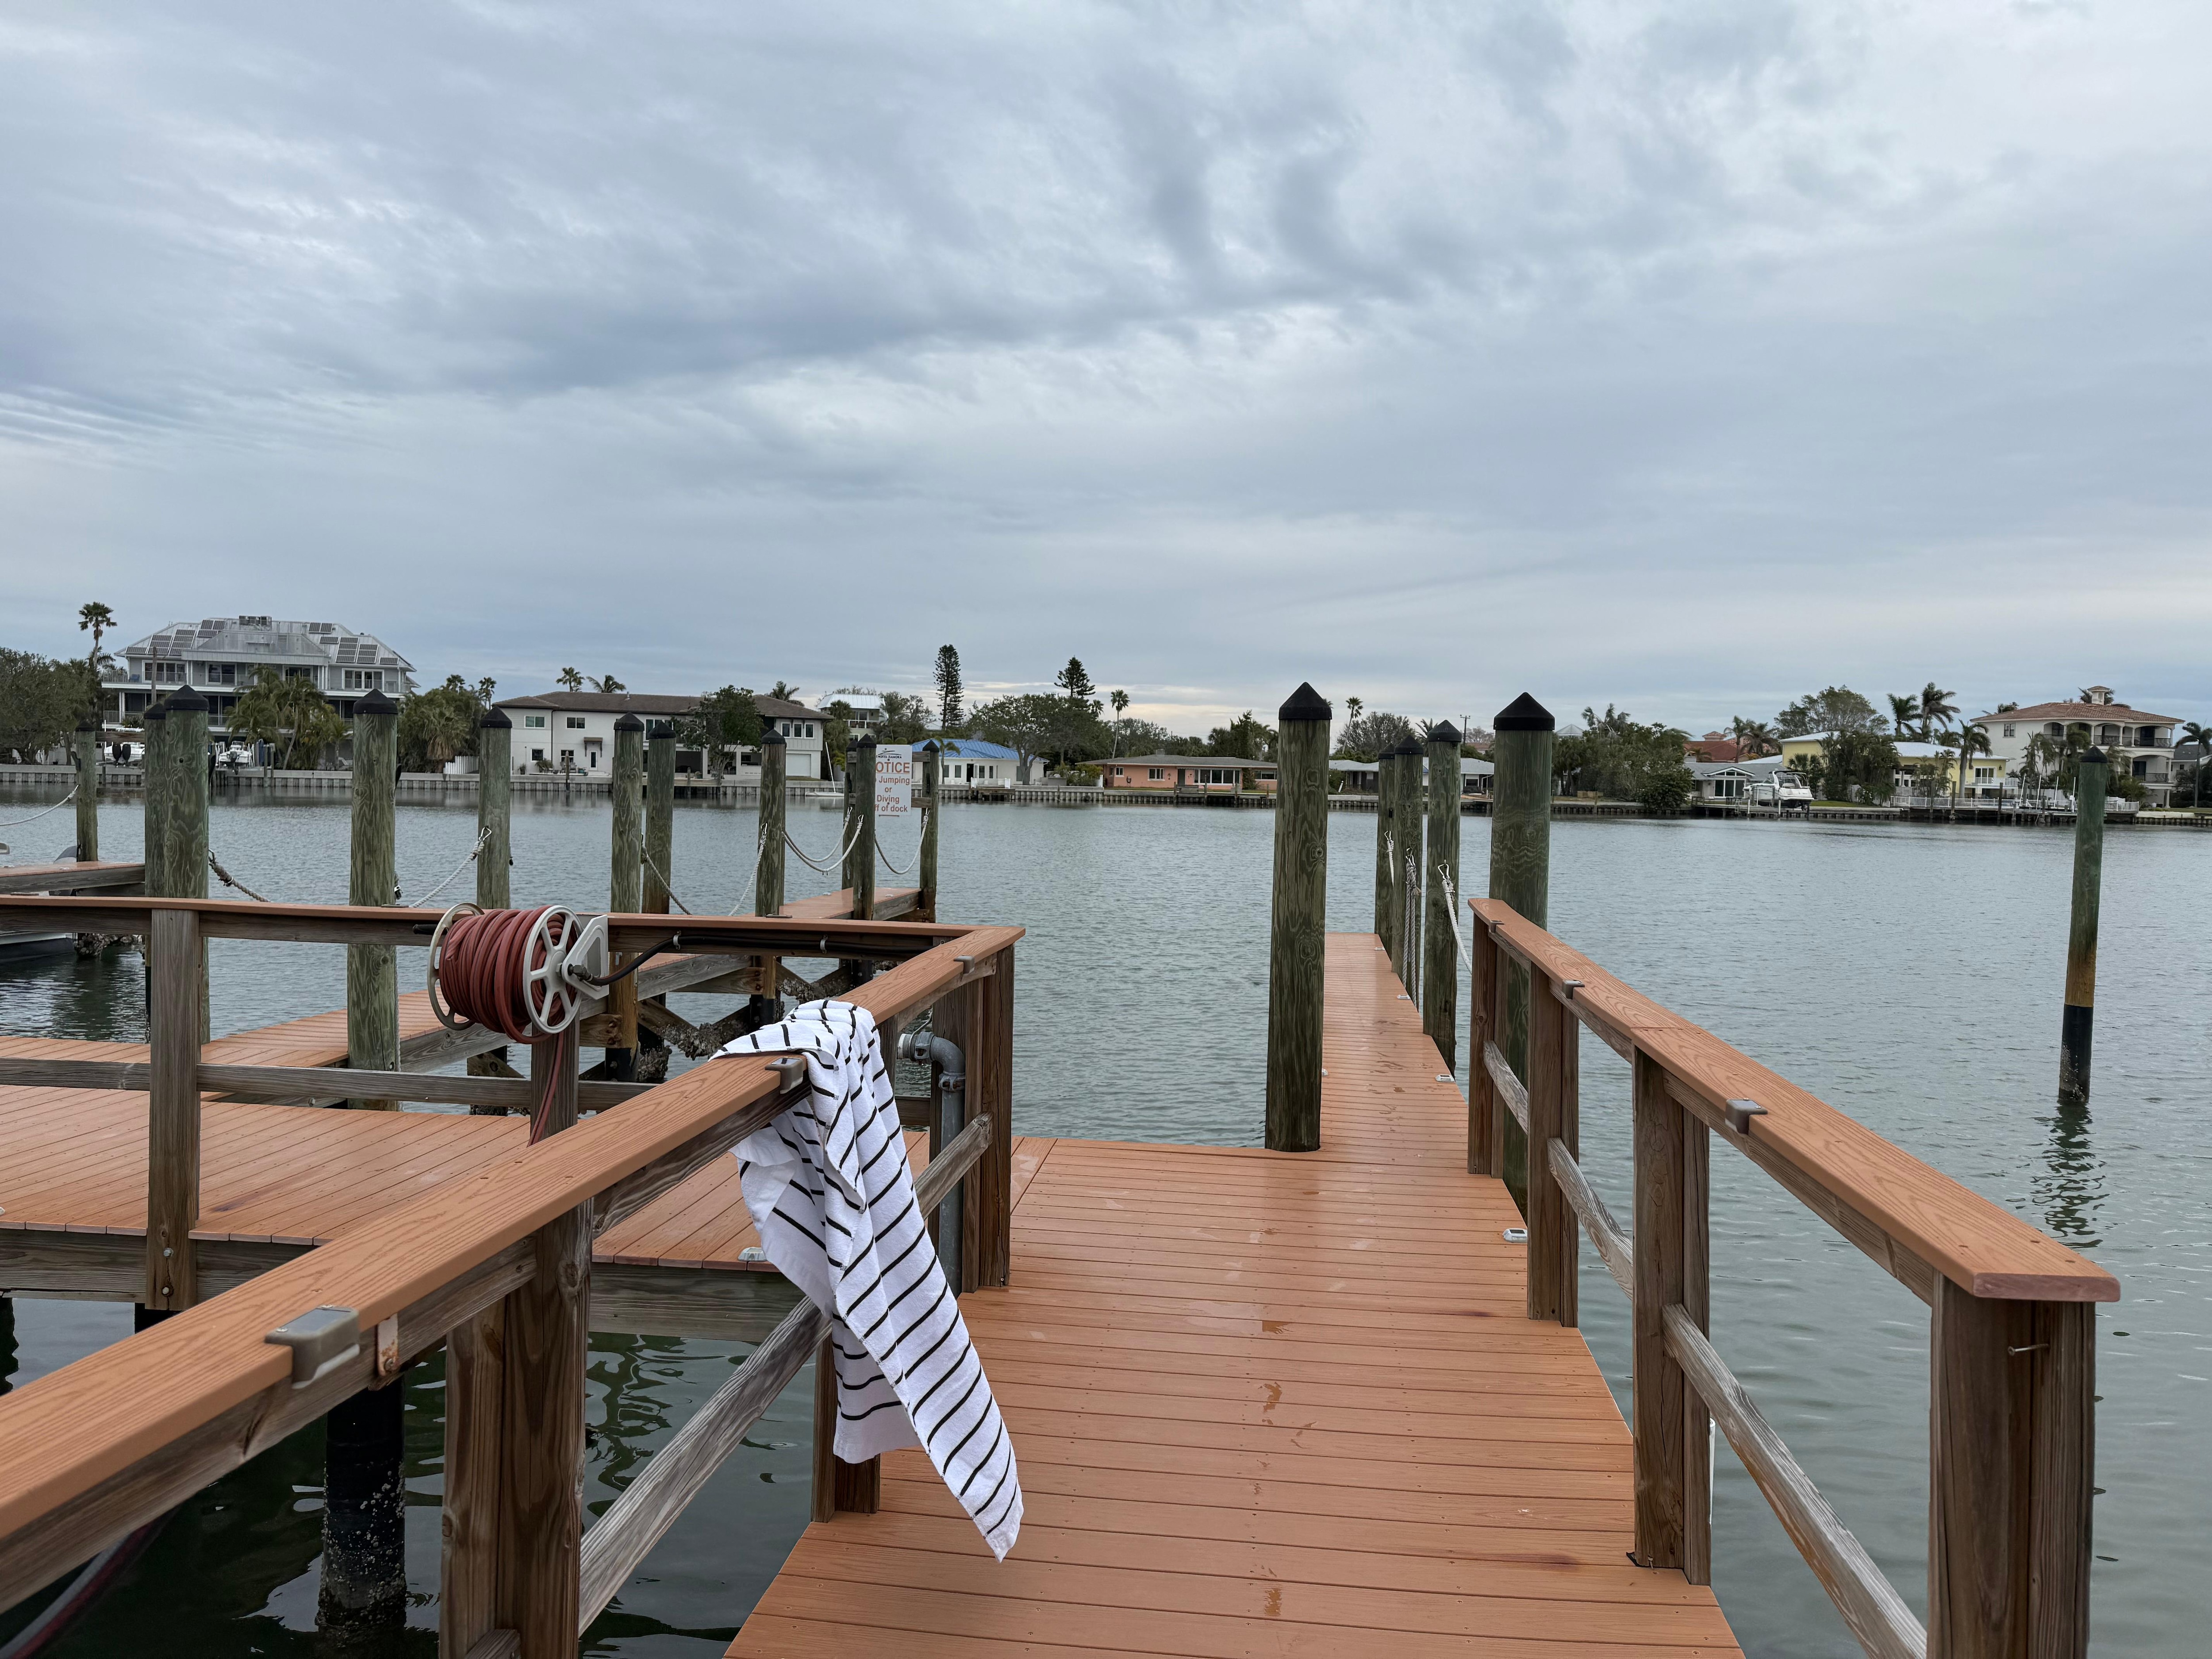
[{"x": 1911, "y": 757}]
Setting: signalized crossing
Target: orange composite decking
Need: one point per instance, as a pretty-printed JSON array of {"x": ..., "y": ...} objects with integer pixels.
[
  {"x": 1267, "y": 1404},
  {"x": 74, "y": 1160}
]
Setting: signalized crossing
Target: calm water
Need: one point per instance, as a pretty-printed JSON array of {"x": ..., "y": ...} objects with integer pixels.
[{"x": 1909, "y": 975}]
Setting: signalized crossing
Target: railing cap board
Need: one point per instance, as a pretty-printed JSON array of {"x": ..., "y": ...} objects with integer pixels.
[
  {"x": 1980, "y": 1247},
  {"x": 73, "y": 1428}
]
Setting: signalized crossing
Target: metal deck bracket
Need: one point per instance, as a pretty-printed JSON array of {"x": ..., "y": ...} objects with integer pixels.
[{"x": 321, "y": 1339}]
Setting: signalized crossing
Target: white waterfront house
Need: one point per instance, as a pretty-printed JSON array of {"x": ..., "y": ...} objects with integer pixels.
[
  {"x": 2139, "y": 743},
  {"x": 574, "y": 732},
  {"x": 220, "y": 656},
  {"x": 970, "y": 760}
]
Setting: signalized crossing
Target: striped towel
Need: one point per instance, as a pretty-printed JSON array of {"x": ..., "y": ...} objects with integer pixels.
[{"x": 829, "y": 1187}]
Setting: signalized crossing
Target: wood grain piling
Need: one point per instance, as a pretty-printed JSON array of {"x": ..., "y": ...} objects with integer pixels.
[
  {"x": 933, "y": 769},
  {"x": 373, "y": 970},
  {"x": 1405, "y": 867},
  {"x": 861, "y": 787},
  {"x": 155, "y": 799},
  {"x": 495, "y": 808},
  {"x": 1386, "y": 807},
  {"x": 626, "y": 887},
  {"x": 768, "y": 866},
  {"x": 2091, "y": 775},
  {"x": 659, "y": 816},
  {"x": 174, "y": 954},
  {"x": 1554, "y": 1115},
  {"x": 1297, "y": 946},
  {"x": 87, "y": 790},
  {"x": 1440, "y": 881},
  {"x": 1520, "y": 874}
]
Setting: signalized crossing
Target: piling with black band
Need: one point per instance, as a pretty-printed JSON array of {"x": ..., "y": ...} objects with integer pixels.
[
  {"x": 1298, "y": 940},
  {"x": 1520, "y": 874},
  {"x": 2092, "y": 773}
]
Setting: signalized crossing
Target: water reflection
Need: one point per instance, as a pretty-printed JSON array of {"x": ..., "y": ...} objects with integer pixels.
[{"x": 2073, "y": 1191}]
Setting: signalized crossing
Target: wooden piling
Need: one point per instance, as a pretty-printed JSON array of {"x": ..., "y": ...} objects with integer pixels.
[
  {"x": 1405, "y": 870},
  {"x": 1440, "y": 872},
  {"x": 659, "y": 816},
  {"x": 933, "y": 769},
  {"x": 861, "y": 806},
  {"x": 1298, "y": 924},
  {"x": 2091, "y": 774},
  {"x": 767, "y": 868},
  {"x": 1520, "y": 874},
  {"x": 626, "y": 887},
  {"x": 87, "y": 790},
  {"x": 495, "y": 808},
  {"x": 155, "y": 799},
  {"x": 373, "y": 970},
  {"x": 1386, "y": 802},
  {"x": 188, "y": 766},
  {"x": 495, "y": 855}
]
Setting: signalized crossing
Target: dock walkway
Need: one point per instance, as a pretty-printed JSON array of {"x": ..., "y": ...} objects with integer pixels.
[{"x": 1268, "y": 1403}]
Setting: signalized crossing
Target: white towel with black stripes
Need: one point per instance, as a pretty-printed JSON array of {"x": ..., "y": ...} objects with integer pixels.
[{"x": 829, "y": 1187}]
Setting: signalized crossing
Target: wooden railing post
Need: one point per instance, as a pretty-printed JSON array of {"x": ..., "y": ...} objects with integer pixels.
[
  {"x": 2012, "y": 1434},
  {"x": 991, "y": 1089},
  {"x": 1405, "y": 885},
  {"x": 1482, "y": 1107},
  {"x": 539, "y": 1525},
  {"x": 188, "y": 814},
  {"x": 1554, "y": 1238},
  {"x": 1386, "y": 808},
  {"x": 373, "y": 970},
  {"x": 173, "y": 1124},
  {"x": 1671, "y": 1529},
  {"x": 468, "y": 1531},
  {"x": 1297, "y": 915}
]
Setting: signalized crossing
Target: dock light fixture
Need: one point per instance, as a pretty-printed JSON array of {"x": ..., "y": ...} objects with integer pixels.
[
  {"x": 1570, "y": 986},
  {"x": 1741, "y": 1113},
  {"x": 1516, "y": 1235}
]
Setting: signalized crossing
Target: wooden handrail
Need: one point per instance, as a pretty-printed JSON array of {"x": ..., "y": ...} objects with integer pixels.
[
  {"x": 1614, "y": 1247},
  {"x": 1870, "y": 1189},
  {"x": 1508, "y": 1086},
  {"x": 614, "y": 1548},
  {"x": 70, "y": 878},
  {"x": 1874, "y": 1611},
  {"x": 73, "y": 1431}
]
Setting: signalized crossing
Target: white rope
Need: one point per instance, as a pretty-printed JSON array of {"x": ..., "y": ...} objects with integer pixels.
[
  {"x": 35, "y": 817},
  {"x": 1410, "y": 940},
  {"x": 1451, "y": 896},
  {"x": 483, "y": 842},
  {"x": 667, "y": 887},
  {"x": 908, "y": 870},
  {"x": 229, "y": 880}
]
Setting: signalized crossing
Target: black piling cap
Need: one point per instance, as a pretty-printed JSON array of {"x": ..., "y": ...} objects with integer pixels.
[
  {"x": 1524, "y": 714},
  {"x": 772, "y": 735},
  {"x": 660, "y": 731},
  {"x": 1445, "y": 732},
  {"x": 187, "y": 701},
  {"x": 1306, "y": 704},
  {"x": 628, "y": 722},
  {"x": 865, "y": 740},
  {"x": 159, "y": 711},
  {"x": 2095, "y": 755},
  {"x": 494, "y": 719},
  {"x": 88, "y": 723},
  {"x": 1407, "y": 747},
  {"x": 375, "y": 703},
  {"x": 929, "y": 748}
]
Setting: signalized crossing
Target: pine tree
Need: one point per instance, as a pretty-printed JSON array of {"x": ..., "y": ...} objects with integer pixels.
[{"x": 949, "y": 691}]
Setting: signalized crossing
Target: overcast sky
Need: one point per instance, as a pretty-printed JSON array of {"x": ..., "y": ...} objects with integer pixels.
[{"x": 1688, "y": 356}]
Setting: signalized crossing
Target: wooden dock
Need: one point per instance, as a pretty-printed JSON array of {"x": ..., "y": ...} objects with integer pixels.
[{"x": 1268, "y": 1403}]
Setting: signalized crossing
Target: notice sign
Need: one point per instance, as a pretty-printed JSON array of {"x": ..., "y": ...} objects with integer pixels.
[{"x": 894, "y": 779}]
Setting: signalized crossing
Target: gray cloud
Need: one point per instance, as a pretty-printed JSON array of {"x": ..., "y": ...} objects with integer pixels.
[{"x": 1684, "y": 356}]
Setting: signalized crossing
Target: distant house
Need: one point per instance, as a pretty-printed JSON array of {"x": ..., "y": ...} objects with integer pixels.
[
  {"x": 1727, "y": 780},
  {"x": 574, "y": 732},
  {"x": 1713, "y": 746},
  {"x": 1363, "y": 777},
  {"x": 2141, "y": 743},
  {"x": 967, "y": 761},
  {"x": 222, "y": 656},
  {"x": 1213, "y": 774},
  {"x": 1911, "y": 758}
]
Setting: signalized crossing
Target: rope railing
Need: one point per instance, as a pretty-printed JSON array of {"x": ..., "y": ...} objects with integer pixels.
[{"x": 12, "y": 824}]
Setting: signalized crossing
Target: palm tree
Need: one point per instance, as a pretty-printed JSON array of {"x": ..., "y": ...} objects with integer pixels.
[
  {"x": 1754, "y": 739},
  {"x": 1935, "y": 709},
  {"x": 1119, "y": 699},
  {"x": 2202, "y": 737},
  {"x": 1902, "y": 711},
  {"x": 98, "y": 619},
  {"x": 570, "y": 679},
  {"x": 606, "y": 683}
]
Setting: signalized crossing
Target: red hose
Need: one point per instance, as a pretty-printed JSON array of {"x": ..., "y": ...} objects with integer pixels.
[{"x": 484, "y": 965}]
